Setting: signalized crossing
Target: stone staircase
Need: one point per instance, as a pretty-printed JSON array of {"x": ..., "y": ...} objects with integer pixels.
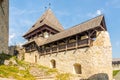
[{"x": 40, "y": 74}]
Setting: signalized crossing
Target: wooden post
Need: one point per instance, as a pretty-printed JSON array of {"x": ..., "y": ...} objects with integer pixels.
[
  {"x": 76, "y": 41},
  {"x": 42, "y": 33},
  {"x": 66, "y": 42},
  {"x": 50, "y": 48},
  {"x": 44, "y": 50},
  {"x": 89, "y": 38},
  {"x": 57, "y": 46}
]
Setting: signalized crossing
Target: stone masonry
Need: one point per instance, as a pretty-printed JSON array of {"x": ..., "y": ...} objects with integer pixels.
[
  {"x": 95, "y": 61},
  {"x": 4, "y": 12}
]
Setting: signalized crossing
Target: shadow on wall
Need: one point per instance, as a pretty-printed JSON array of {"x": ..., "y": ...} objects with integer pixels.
[{"x": 100, "y": 76}]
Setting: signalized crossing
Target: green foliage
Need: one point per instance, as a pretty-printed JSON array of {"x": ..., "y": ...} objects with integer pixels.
[
  {"x": 42, "y": 67},
  {"x": 14, "y": 72},
  {"x": 51, "y": 71},
  {"x": 63, "y": 76},
  {"x": 3, "y": 57},
  {"x": 47, "y": 70},
  {"x": 23, "y": 64},
  {"x": 115, "y": 72}
]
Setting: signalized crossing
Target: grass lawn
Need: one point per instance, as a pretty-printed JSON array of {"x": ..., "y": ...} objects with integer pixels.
[{"x": 115, "y": 72}]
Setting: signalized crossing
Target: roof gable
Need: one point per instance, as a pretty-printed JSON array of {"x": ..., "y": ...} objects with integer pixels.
[{"x": 49, "y": 19}]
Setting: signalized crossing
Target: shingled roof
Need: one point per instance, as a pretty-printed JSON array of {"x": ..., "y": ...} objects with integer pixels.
[
  {"x": 38, "y": 41},
  {"x": 49, "y": 19},
  {"x": 116, "y": 61},
  {"x": 90, "y": 24}
]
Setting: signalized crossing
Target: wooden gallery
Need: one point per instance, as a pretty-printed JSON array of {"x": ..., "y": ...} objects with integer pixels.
[{"x": 83, "y": 49}]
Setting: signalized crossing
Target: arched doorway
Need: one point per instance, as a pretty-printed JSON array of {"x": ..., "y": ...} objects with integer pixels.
[
  {"x": 35, "y": 59},
  {"x": 53, "y": 63},
  {"x": 77, "y": 68}
]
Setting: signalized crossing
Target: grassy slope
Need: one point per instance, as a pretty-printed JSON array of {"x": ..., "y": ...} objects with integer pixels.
[
  {"x": 13, "y": 71},
  {"x": 115, "y": 72}
]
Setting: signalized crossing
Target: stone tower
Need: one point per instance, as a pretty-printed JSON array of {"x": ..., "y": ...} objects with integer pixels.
[{"x": 4, "y": 29}]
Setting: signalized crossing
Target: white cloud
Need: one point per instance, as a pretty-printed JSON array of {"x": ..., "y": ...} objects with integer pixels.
[
  {"x": 19, "y": 22},
  {"x": 11, "y": 37},
  {"x": 98, "y": 12}
]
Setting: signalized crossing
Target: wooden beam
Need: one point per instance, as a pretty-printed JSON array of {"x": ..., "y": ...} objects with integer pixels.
[
  {"x": 57, "y": 46},
  {"x": 50, "y": 48},
  {"x": 102, "y": 27},
  {"x": 76, "y": 41},
  {"x": 66, "y": 42}
]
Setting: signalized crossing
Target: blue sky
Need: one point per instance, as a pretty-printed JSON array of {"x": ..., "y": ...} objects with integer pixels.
[{"x": 24, "y": 13}]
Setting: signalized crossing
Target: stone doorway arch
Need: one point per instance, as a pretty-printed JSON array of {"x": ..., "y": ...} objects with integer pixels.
[
  {"x": 77, "y": 68},
  {"x": 53, "y": 63}
]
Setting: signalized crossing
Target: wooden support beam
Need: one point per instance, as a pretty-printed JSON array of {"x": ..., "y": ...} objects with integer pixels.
[
  {"x": 102, "y": 28},
  {"x": 57, "y": 46},
  {"x": 66, "y": 42},
  {"x": 89, "y": 38},
  {"x": 50, "y": 48},
  {"x": 76, "y": 41}
]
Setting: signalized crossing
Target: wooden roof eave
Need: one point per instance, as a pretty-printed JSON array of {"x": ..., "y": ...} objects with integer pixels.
[
  {"x": 28, "y": 43},
  {"x": 69, "y": 36}
]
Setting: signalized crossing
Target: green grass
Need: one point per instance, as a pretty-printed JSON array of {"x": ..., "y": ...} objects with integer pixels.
[
  {"x": 115, "y": 72},
  {"x": 23, "y": 64},
  {"x": 63, "y": 76},
  {"x": 59, "y": 76},
  {"x": 14, "y": 72},
  {"x": 47, "y": 70}
]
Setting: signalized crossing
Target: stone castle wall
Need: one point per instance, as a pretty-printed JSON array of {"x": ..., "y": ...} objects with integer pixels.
[
  {"x": 93, "y": 62},
  {"x": 4, "y": 25}
]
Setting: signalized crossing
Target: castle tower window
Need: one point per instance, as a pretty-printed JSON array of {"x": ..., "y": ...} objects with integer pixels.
[
  {"x": 53, "y": 63},
  {"x": 77, "y": 68}
]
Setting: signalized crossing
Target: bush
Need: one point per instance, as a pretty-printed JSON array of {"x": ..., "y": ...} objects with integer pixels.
[{"x": 4, "y": 57}]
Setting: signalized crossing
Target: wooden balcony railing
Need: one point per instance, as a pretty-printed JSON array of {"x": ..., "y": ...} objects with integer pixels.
[
  {"x": 71, "y": 45},
  {"x": 30, "y": 50},
  {"x": 48, "y": 50},
  {"x": 42, "y": 51},
  {"x": 83, "y": 43},
  {"x": 62, "y": 47},
  {"x": 54, "y": 49}
]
